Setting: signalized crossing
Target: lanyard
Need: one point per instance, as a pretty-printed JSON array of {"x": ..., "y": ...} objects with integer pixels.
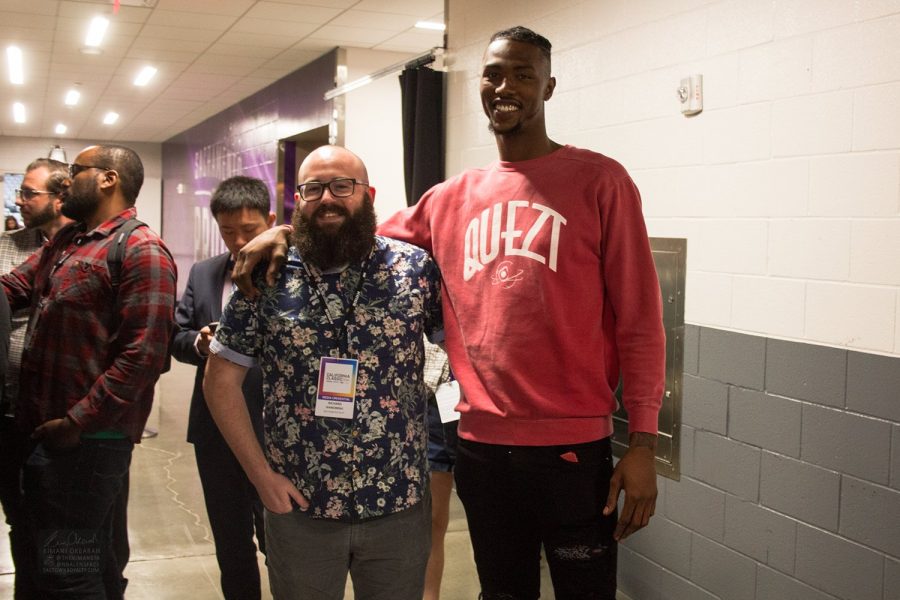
[{"x": 340, "y": 332}]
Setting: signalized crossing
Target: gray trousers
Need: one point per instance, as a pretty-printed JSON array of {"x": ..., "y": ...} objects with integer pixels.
[{"x": 309, "y": 559}]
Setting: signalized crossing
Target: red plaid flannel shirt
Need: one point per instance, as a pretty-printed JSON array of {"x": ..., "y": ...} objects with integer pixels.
[{"x": 89, "y": 355}]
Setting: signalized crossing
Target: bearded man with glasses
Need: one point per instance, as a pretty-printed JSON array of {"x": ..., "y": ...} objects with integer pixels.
[
  {"x": 343, "y": 476},
  {"x": 39, "y": 202}
]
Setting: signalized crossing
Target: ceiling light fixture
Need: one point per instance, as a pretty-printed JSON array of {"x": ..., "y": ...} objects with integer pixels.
[
  {"x": 18, "y": 112},
  {"x": 144, "y": 77},
  {"x": 72, "y": 97},
  {"x": 14, "y": 61},
  {"x": 110, "y": 118},
  {"x": 96, "y": 32},
  {"x": 57, "y": 153},
  {"x": 60, "y": 129},
  {"x": 431, "y": 25}
]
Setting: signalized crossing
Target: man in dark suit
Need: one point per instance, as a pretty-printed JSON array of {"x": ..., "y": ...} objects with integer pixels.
[{"x": 240, "y": 206}]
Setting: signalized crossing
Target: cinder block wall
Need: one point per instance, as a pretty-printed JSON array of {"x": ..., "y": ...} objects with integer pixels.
[{"x": 790, "y": 481}]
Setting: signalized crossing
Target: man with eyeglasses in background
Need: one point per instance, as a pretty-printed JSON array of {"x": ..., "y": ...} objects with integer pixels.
[
  {"x": 93, "y": 353},
  {"x": 39, "y": 202},
  {"x": 339, "y": 338}
]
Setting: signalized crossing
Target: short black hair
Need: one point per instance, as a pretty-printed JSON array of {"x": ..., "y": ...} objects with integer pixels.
[
  {"x": 240, "y": 192},
  {"x": 527, "y": 36},
  {"x": 127, "y": 164},
  {"x": 57, "y": 171}
]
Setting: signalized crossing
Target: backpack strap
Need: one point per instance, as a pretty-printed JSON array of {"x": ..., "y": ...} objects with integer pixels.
[
  {"x": 117, "y": 251},
  {"x": 114, "y": 258}
]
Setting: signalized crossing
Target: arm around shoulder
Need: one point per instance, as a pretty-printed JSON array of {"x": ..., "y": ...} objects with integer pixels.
[
  {"x": 412, "y": 225},
  {"x": 272, "y": 246}
]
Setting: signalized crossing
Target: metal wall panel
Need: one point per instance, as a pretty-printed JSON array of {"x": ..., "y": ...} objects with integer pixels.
[{"x": 670, "y": 256}]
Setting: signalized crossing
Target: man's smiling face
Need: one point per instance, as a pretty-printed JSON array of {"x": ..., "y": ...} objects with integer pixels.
[{"x": 515, "y": 83}]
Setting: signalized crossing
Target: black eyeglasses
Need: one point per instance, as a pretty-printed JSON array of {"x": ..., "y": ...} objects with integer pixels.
[
  {"x": 75, "y": 169},
  {"x": 26, "y": 194},
  {"x": 340, "y": 187}
]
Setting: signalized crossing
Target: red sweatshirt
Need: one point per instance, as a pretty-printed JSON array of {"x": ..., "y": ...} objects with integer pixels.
[{"x": 549, "y": 291}]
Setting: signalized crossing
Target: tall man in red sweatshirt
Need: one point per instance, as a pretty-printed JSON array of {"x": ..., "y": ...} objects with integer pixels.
[{"x": 550, "y": 295}]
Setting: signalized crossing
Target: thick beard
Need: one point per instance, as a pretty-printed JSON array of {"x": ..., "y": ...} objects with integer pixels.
[
  {"x": 79, "y": 206},
  {"x": 351, "y": 243},
  {"x": 41, "y": 218}
]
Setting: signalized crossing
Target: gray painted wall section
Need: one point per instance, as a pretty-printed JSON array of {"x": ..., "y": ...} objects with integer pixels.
[{"x": 790, "y": 480}]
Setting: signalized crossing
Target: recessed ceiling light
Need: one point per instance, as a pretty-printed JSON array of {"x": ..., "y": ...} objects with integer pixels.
[
  {"x": 18, "y": 112},
  {"x": 144, "y": 77},
  {"x": 72, "y": 97},
  {"x": 14, "y": 60},
  {"x": 60, "y": 129},
  {"x": 110, "y": 118},
  {"x": 431, "y": 25},
  {"x": 96, "y": 31}
]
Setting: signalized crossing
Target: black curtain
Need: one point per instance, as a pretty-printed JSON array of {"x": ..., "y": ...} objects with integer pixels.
[{"x": 422, "y": 93}]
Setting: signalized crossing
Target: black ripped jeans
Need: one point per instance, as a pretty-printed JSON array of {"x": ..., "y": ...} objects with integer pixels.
[{"x": 518, "y": 498}]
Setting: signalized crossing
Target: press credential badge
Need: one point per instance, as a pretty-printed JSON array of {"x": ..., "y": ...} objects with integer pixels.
[{"x": 337, "y": 387}]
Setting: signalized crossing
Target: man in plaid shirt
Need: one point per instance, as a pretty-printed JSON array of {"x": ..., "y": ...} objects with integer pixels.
[
  {"x": 92, "y": 357},
  {"x": 40, "y": 201}
]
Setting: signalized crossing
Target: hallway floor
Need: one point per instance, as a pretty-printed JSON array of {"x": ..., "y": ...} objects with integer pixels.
[{"x": 172, "y": 554}]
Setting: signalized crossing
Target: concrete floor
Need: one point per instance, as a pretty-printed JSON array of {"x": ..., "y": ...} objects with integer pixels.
[{"x": 172, "y": 553}]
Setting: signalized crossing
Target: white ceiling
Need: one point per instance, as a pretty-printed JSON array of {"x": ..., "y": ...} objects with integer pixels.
[{"x": 210, "y": 54}]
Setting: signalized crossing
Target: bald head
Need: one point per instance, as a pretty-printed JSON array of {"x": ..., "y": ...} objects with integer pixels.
[{"x": 334, "y": 158}]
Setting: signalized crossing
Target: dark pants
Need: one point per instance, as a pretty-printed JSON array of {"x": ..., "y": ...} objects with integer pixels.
[
  {"x": 120, "y": 543},
  {"x": 518, "y": 498},
  {"x": 13, "y": 449},
  {"x": 235, "y": 513},
  {"x": 442, "y": 439},
  {"x": 71, "y": 501}
]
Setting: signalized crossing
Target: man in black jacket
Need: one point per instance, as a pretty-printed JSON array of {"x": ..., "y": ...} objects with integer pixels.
[{"x": 240, "y": 206}]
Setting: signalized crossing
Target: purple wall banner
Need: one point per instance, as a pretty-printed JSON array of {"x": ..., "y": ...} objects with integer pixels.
[{"x": 241, "y": 140}]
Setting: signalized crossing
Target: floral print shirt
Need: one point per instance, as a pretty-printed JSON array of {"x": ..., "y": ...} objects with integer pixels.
[{"x": 375, "y": 463}]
